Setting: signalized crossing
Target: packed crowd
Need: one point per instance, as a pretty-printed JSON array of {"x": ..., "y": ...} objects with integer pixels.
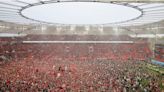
[
  {"x": 136, "y": 51},
  {"x": 51, "y": 75},
  {"x": 77, "y": 68},
  {"x": 159, "y": 52}
]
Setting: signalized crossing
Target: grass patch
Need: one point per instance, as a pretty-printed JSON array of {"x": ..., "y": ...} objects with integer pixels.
[{"x": 155, "y": 68}]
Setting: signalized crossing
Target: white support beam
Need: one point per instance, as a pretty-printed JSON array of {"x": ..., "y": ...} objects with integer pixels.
[{"x": 78, "y": 42}]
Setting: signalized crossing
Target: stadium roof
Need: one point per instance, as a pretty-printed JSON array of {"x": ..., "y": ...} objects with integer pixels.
[
  {"x": 137, "y": 18},
  {"x": 84, "y": 12}
]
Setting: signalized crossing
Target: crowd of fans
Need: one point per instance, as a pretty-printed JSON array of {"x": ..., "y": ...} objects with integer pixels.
[
  {"x": 50, "y": 75},
  {"x": 80, "y": 51},
  {"x": 159, "y": 52},
  {"x": 77, "y": 68}
]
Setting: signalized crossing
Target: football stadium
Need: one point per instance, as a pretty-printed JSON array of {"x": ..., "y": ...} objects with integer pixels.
[{"x": 81, "y": 46}]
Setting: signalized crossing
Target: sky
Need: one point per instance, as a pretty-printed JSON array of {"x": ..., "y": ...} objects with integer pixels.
[{"x": 81, "y": 13}]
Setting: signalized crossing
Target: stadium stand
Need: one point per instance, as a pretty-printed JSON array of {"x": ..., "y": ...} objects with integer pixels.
[{"x": 76, "y": 67}]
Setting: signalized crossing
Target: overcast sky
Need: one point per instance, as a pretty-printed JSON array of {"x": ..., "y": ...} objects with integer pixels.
[{"x": 81, "y": 13}]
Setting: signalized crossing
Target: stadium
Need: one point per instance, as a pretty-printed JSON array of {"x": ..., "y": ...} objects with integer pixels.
[{"x": 81, "y": 46}]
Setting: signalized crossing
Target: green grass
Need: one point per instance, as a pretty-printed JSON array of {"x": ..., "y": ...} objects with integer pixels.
[{"x": 155, "y": 68}]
